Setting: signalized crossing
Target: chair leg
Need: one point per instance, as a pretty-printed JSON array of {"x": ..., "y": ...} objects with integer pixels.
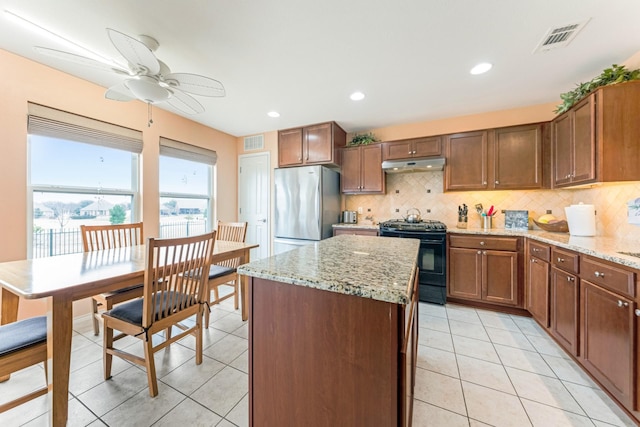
[
  {"x": 96, "y": 321},
  {"x": 198, "y": 332},
  {"x": 236, "y": 289},
  {"x": 208, "y": 309},
  {"x": 151, "y": 367},
  {"x": 108, "y": 345}
]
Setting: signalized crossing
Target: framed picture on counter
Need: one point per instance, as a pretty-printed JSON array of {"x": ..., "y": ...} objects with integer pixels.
[{"x": 516, "y": 220}]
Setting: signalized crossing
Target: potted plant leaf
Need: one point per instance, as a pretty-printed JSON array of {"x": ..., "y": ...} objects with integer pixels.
[{"x": 362, "y": 139}]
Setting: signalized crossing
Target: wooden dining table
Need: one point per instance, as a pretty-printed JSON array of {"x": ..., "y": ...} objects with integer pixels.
[{"x": 66, "y": 278}]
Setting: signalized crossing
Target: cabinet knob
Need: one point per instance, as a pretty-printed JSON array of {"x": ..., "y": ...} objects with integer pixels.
[
  {"x": 560, "y": 259},
  {"x": 479, "y": 252},
  {"x": 571, "y": 279},
  {"x": 484, "y": 182},
  {"x": 299, "y": 159},
  {"x": 413, "y": 152},
  {"x": 533, "y": 260},
  {"x": 481, "y": 243},
  {"x": 598, "y": 274},
  {"x": 535, "y": 250},
  {"x": 623, "y": 304},
  {"x": 637, "y": 312},
  {"x": 497, "y": 182}
]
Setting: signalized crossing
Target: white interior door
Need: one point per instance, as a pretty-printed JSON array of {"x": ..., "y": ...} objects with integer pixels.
[{"x": 253, "y": 200}]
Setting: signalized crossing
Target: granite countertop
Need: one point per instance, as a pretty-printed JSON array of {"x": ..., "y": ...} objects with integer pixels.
[
  {"x": 380, "y": 268},
  {"x": 606, "y": 248},
  {"x": 366, "y": 226}
]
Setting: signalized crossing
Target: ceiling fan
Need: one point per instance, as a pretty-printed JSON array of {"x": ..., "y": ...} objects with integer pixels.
[{"x": 147, "y": 78}]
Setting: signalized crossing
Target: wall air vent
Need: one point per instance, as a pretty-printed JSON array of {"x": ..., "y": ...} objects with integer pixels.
[
  {"x": 255, "y": 142},
  {"x": 559, "y": 37}
]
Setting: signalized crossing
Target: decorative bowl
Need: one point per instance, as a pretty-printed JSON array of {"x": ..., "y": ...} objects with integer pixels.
[{"x": 558, "y": 227}]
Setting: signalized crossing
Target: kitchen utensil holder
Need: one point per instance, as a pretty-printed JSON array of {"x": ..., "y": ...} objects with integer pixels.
[
  {"x": 462, "y": 221},
  {"x": 487, "y": 222}
]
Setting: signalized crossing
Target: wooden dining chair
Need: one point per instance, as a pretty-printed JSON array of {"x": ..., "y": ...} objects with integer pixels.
[
  {"x": 225, "y": 273},
  {"x": 22, "y": 344},
  {"x": 98, "y": 237},
  {"x": 175, "y": 280}
]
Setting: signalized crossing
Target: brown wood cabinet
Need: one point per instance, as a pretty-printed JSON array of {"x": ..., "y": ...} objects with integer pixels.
[
  {"x": 368, "y": 376},
  {"x": 607, "y": 337},
  {"x": 313, "y": 144},
  {"x": 596, "y": 140},
  {"x": 410, "y": 148},
  {"x": 565, "y": 298},
  {"x": 537, "y": 282},
  {"x": 485, "y": 268},
  {"x": 337, "y": 231},
  {"x": 496, "y": 159},
  {"x": 362, "y": 170}
]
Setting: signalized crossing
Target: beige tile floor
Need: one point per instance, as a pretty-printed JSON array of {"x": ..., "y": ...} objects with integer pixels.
[{"x": 475, "y": 368}]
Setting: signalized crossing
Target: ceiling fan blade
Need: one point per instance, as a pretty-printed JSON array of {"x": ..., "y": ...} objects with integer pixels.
[
  {"x": 195, "y": 84},
  {"x": 135, "y": 52},
  {"x": 185, "y": 103},
  {"x": 82, "y": 60},
  {"x": 119, "y": 92}
]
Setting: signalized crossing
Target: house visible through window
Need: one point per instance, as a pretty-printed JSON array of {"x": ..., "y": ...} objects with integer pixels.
[
  {"x": 81, "y": 171},
  {"x": 186, "y": 182}
]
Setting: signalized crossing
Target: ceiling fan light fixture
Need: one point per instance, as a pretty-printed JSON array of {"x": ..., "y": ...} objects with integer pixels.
[{"x": 147, "y": 89}]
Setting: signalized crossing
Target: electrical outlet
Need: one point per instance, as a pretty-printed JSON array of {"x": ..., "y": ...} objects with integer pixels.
[
  {"x": 368, "y": 209},
  {"x": 360, "y": 210}
]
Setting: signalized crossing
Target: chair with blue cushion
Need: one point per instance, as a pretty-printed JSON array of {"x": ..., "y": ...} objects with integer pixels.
[
  {"x": 175, "y": 282},
  {"x": 225, "y": 272},
  {"x": 22, "y": 344},
  {"x": 99, "y": 237}
]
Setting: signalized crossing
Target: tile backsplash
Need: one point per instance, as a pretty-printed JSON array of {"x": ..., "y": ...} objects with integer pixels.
[{"x": 424, "y": 190}]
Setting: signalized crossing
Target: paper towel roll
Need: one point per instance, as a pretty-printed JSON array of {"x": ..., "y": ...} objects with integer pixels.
[{"x": 581, "y": 219}]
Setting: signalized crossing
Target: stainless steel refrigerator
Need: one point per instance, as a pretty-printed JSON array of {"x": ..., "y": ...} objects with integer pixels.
[{"x": 307, "y": 204}]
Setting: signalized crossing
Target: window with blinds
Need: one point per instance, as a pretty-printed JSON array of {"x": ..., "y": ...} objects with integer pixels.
[
  {"x": 186, "y": 183},
  {"x": 81, "y": 171}
]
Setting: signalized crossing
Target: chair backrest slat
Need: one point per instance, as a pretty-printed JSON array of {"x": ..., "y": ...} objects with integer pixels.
[
  {"x": 176, "y": 275},
  {"x": 232, "y": 232},
  {"x": 98, "y": 237}
]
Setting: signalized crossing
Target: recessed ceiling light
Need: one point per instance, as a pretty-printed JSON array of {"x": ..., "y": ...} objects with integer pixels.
[
  {"x": 357, "y": 96},
  {"x": 481, "y": 68},
  {"x": 273, "y": 114}
]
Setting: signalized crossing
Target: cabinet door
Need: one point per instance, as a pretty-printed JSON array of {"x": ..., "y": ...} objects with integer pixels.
[
  {"x": 518, "y": 157},
  {"x": 466, "y": 167},
  {"x": 584, "y": 142},
  {"x": 537, "y": 290},
  {"x": 562, "y": 148},
  {"x": 318, "y": 147},
  {"x": 290, "y": 147},
  {"x": 564, "y": 309},
  {"x": 500, "y": 277},
  {"x": 425, "y": 147},
  {"x": 397, "y": 150},
  {"x": 464, "y": 273},
  {"x": 351, "y": 167},
  {"x": 607, "y": 339},
  {"x": 372, "y": 175}
]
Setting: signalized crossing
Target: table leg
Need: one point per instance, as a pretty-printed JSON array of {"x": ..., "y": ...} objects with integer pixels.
[
  {"x": 8, "y": 314},
  {"x": 59, "y": 330},
  {"x": 243, "y": 285}
]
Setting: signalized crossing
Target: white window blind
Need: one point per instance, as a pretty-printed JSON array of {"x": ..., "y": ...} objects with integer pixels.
[
  {"x": 180, "y": 150},
  {"x": 46, "y": 121}
]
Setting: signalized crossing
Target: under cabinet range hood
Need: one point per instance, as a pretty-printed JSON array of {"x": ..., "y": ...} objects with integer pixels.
[{"x": 413, "y": 165}]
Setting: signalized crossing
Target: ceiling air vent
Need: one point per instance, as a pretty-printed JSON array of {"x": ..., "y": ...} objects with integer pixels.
[
  {"x": 255, "y": 142},
  {"x": 559, "y": 37}
]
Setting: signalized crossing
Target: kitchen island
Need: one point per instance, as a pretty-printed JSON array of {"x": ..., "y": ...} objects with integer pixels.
[{"x": 333, "y": 333}]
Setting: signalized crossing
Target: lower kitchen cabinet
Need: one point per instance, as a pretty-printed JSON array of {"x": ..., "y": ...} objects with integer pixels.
[
  {"x": 486, "y": 269},
  {"x": 564, "y": 309},
  {"x": 607, "y": 336},
  {"x": 537, "y": 282}
]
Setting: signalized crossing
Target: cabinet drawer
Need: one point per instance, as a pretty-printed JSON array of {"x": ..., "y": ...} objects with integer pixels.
[
  {"x": 540, "y": 250},
  {"x": 565, "y": 260},
  {"x": 608, "y": 276},
  {"x": 484, "y": 242}
]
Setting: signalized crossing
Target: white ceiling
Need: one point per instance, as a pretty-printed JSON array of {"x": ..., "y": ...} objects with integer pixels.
[{"x": 303, "y": 58}]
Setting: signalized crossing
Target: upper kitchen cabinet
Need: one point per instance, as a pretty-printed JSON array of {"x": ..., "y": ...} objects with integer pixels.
[
  {"x": 412, "y": 148},
  {"x": 362, "y": 170},
  {"x": 597, "y": 139},
  {"x": 311, "y": 145},
  {"x": 496, "y": 159}
]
